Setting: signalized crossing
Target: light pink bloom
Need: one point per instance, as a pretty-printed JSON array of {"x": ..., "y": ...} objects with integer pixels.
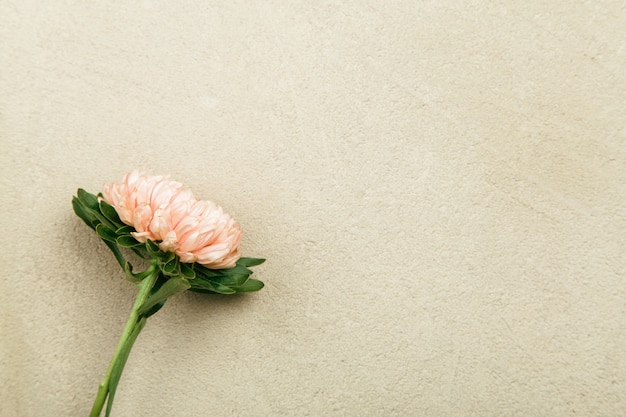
[{"x": 161, "y": 210}]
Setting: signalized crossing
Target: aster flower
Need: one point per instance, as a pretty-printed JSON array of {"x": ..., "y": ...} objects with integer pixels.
[
  {"x": 161, "y": 210},
  {"x": 191, "y": 245}
]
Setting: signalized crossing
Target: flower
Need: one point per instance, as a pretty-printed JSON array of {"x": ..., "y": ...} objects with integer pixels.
[
  {"x": 157, "y": 218},
  {"x": 163, "y": 211}
]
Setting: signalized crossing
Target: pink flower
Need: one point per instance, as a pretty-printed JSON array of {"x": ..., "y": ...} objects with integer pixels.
[{"x": 161, "y": 210}]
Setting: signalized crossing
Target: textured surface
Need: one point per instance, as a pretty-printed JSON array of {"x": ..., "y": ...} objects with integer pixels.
[{"x": 439, "y": 188}]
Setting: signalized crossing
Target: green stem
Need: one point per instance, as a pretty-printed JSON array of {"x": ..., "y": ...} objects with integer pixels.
[{"x": 133, "y": 326}]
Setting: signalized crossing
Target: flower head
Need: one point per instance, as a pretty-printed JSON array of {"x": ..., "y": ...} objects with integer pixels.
[{"x": 160, "y": 209}]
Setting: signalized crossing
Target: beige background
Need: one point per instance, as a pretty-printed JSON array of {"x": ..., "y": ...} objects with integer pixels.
[{"x": 439, "y": 188}]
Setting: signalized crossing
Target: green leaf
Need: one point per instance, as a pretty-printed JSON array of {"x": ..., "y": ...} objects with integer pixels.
[
  {"x": 136, "y": 277},
  {"x": 127, "y": 241},
  {"x": 250, "y": 286},
  {"x": 86, "y": 207},
  {"x": 203, "y": 290},
  {"x": 203, "y": 285},
  {"x": 109, "y": 212},
  {"x": 171, "y": 267},
  {"x": 154, "y": 250},
  {"x": 237, "y": 270},
  {"x": 250, "y": 261},
  {"x": 83, "y": 212},
  {"x": 222, "y": 289},
  {"x": 205, "y": 272},
  {"x": 116, "y": 252},
  {"x": 90, "y": 200},
  {"x": 105, "y": 233},
  {"x": 125, "y": 230},
  {"x": 154, "y": 308},
  {"x": 96, "y": 217},
  {"x": 231, "y": 280},
  {"x": 172, "y": 286},
  {"x": 186, "y": 270},
  {"x": 141, "y": 252},
  {"x": 152, "y": 246}
]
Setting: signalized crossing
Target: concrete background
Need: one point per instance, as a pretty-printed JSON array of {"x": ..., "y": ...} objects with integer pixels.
[{"x": 439, "y": 188}]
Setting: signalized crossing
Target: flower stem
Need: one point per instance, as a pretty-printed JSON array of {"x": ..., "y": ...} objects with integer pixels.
[{"x": 135, "y": 323}]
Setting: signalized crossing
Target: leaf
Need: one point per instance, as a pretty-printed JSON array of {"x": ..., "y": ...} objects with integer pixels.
[
  {"x": 203, "y": 285},
  {"x": 231, "y": 280},
  {"x": 172, "y": 286},
  {"x": 250, "y": 286},
  {"x": 237, "y": 270},
  {"x": 203, "y": 291},
  {"x": 186, "y": 270},
  {"x": 222, "y": 289},
  {"x": 136, "y": 277},
  {"x": 109, "y": 212},
  {"x": 116, "y": 252},
  {"x": 90, "y": 200},
  {"x": 125, "y": 230},
  {"x": 171, "y": 267},
  {"x": 152, "y": 246},
  {"x": 83, "y": 212},
  {"x": 154, "y": 308},
  {"x": 87, "y": 207},
  {"x": 154, "y": 250},
  {"x": 105, "y": 233},
  {"x": 205, "y": 272},
  {"x": 95, "y": 216},
  {"x": 250, "y": 261},
  {"x": 109, "y": 238},
  {"x": 127, "y": 241},
  {"x": 141, "y": 252}
]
